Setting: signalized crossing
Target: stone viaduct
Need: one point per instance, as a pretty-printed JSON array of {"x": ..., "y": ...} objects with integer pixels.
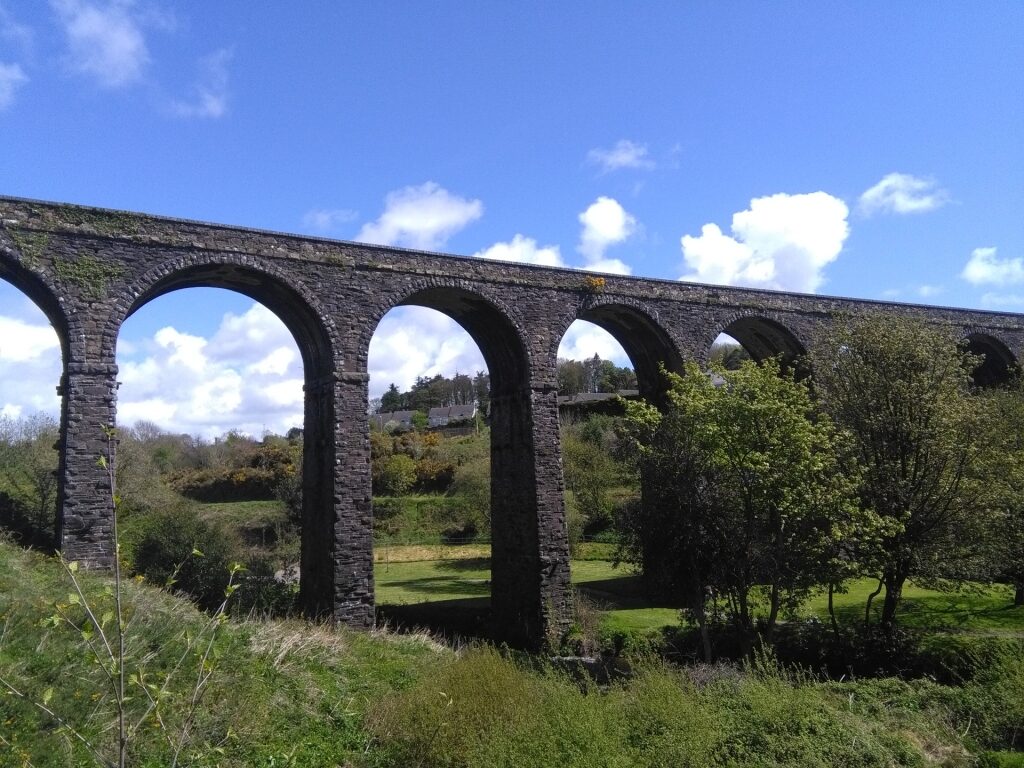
[{"x": 88, "y": 269}]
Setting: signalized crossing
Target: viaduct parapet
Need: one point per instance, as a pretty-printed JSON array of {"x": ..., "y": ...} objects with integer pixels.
[{"x": 89, "y": 269}]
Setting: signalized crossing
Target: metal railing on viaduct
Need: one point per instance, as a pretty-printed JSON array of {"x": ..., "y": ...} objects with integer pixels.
[{"x": 89, "y": 269}]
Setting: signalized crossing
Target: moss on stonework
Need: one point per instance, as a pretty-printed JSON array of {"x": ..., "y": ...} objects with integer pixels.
[
  {"x": 31, "y": 244},
  {"x": 88, "y": 273},
  {"x": 103, "y": 223}
]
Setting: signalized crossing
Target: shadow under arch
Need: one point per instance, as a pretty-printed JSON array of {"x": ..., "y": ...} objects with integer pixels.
[
  {"x": 316, "y": 339},
  {"x": 998, "y": 363},
  {"x": 763, "y": 337},
  {"x": 646, "y": 343},
  {"x": 45, "y": 298},
  {"x": 522, "y": 608}
]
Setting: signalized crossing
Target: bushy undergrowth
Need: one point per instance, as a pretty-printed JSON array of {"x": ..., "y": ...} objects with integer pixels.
[
  {"x": 291, "y": 693},
  {"x": 282, "y": 693},
  {"x": 486, "y": 710}
]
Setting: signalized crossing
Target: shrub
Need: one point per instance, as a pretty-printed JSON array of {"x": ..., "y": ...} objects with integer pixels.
[
  {"x": 994, "y": 700},
  {"x": 394, "y": 475},
  {"x": 157, "y": 543},
  {"x": 486, "y": 710},
  {"x": 260, "y": 593},
  {"x": 226, "y": 484},
  {"x": 434, "y": 475}
]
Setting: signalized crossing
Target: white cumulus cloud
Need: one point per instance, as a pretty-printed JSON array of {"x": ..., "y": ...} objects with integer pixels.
[
  {"x": 903, "y": 193},
  {"x": 782, "y": 242},
  {"x": 416, "y": 341},
  {"x": 105, "y": 40},
  {"x": 625, "y": 154},
  {"x": 210, "y": 92},
  {"x": 583, "y": 340},
  {"x": 247, "y": 375},
  {"x": 984, "y": 267},
  {"x": 523, "y": 249},
  {"x": 11, "y": 79},
  {"x": 423, "y": 217},
  {"x": 604, "y": 223},
  {"x": 21, "y": 340},
  {"x": 30, "y": 357}
]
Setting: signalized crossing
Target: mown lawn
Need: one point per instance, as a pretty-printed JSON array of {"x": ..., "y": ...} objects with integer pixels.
[{"x": 617, "y": 593}]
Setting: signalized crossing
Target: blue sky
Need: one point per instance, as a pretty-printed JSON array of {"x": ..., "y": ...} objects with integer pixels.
[{"x": 870, "y": 150}]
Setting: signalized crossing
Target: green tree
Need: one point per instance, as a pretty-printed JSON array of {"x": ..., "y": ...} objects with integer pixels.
[
  {"x": 1007, "y": 432},
  {"x": 28, "y": 474},
  {"x": 590, "y": 470},
  {"x": 727, "y": 355},
  {"x": 743, "y": 499},
  {"x": 391, "y": 400},
  {"x": 902, "y": 390}
]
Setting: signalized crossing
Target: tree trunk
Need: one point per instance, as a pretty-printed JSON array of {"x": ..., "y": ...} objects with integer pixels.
[
  {"x": 773, "y": 614},
  {"x": 871, "y": 598},
  {"x": 697, "y": 608},
  {"x": 894, "y": 581},
  {"x": 1018, "y": 595},
  {"x": 745, "y": 625},
  {"x": 832, "y": 611}
]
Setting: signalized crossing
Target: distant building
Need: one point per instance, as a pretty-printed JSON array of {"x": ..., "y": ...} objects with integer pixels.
[
  {"x": 442, "y": 417},
  {"x": 400, "y": 419}
]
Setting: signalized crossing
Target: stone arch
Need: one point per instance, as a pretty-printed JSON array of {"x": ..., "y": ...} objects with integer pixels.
[
  {"x": 293, "y": 302},
  {"x": 45, "y": 296},
  {"x": 639, "y": 331},
  {"x": 763, "y": 335},
  {"x": 316, "y": 336},
  {"x": 494, "y": 326},
  {"x": 70, "y": 335},
  {"x": 999, "y": 362},
  {"x": 530, "y": 592}
]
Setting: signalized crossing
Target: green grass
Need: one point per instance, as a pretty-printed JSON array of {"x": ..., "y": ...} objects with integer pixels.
[
  {"x": 281, "y": 691},
  {"x": 248, "y": 514},
  {"x": 979, "y": 609},
  {"x": 617, "y": 593},
  {"x": 294, "y": 694},
  {"x": 432, "y": 581}
]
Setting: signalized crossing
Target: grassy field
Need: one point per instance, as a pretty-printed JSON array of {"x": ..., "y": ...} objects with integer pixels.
[
  {"x": 616, "y": 593},
  {"x": 409, "y": 574}
]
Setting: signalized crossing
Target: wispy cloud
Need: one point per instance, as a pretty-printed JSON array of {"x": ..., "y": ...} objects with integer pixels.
[
  {"x": 984, "y": 267},
  {"x": 625, "y": 154},
  {"x": 902, "y": 193},
  {"x": 1002, "y": 300},
  {"x": 423, "y": 217},
  {"x": 328, "y": 219},
  {"x": 104, "y": 41},
  {"x": 11, "y": 29},
  {"x": 782, "y": 241},
  {"x": 11, "y": 79},
  {"x": 210, "y": 92}
]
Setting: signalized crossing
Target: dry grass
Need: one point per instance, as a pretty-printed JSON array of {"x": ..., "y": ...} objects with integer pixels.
[
  {"x": 285, "y": 641},
  {"x": 414, "y": 553}
]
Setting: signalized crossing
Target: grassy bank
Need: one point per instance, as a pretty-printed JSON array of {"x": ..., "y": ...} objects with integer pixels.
[{"x": 288, "y": 693}]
